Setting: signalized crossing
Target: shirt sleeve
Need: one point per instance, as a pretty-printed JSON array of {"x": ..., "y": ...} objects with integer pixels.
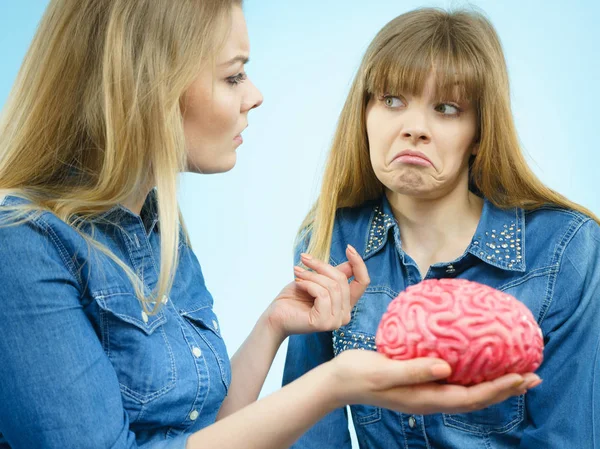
[
  {"x": 58, "y": 389},
  {"x": 304, "y": 353},
  {"x": 564, "y": 411}
]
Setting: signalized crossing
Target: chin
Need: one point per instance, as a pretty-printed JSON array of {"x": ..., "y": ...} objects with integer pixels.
[
  {"x": 212, "y": 167},
  {"x": 417, "y": 188}
]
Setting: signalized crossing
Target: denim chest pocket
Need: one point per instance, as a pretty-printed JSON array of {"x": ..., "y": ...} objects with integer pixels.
[
  {"x": 206, "y": 324},
  {"x": 137, "y": 345},
  {"x": 498, "y": 418}
]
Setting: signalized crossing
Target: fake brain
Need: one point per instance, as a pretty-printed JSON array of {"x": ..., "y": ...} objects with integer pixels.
[{"x": 481, "y": 332}]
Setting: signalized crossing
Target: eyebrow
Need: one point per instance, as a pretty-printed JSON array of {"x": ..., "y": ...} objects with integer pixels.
[{"x": 241, "y": 58}]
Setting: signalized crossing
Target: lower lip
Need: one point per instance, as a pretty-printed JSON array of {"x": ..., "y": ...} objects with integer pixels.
[
  {"x": 413, "y": 160},
  {"x": 238, "y": 139}
]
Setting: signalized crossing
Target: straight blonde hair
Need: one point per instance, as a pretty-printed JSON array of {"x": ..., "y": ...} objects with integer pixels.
[
  {"x": 464, "y": 51},
  {"x": 94, "y": 117}
]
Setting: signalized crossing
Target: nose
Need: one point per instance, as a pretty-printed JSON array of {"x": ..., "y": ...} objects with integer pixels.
[
  {"x": 253, "y": 98},
  {"x": 416, "y": 135},
  {"x": 415, "y": 128}
]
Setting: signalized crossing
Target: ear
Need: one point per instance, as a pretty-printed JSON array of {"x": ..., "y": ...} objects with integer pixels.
[{"x": 475, "y": 149}]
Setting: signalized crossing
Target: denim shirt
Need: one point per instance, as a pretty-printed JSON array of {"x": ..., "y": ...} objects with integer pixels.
[
  {"x": 548, "y": 258},
  {"x": 82, "y": 365}
]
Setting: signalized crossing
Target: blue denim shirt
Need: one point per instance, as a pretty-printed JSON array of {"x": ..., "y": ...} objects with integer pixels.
[
  {"x": 549, "y": 259},
  {"x": 82, "y": 366}
]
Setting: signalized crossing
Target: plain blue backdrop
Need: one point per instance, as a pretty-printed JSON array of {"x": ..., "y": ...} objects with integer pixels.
[{"x": 304, "y": 55}]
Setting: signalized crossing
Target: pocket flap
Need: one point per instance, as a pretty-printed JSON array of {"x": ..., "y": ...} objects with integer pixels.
[
  {"x": 205, "y": 317},
  {"x": 128, "y": 308}
]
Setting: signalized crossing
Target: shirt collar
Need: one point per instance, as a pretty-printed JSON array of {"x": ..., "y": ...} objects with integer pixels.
[
  {"x": 382, "y": 220},
  {"x": 499, "y": 239}
]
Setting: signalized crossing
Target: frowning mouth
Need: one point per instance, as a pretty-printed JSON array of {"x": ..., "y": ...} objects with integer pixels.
[{"x": 412, "y": 157}]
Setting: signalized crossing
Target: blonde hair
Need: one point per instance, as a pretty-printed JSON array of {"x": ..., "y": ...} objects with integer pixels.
[
  {"x": 464, "y": 51},
  {"x": 94, "y": 117}
]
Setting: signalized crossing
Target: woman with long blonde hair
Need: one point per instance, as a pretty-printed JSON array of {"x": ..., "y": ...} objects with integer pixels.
[
  {"x": 107, "y": 333},
  {"x": 426, "y": 179}
]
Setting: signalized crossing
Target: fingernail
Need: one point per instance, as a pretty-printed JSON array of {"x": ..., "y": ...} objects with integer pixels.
[
  {"x": 440, "y": 370},
  {"x": 352, "y": 250},
  {"x": 534, "y": 384},
  {"x": 298, "y": 280},
  {"x": 306, "y": 256},
  {"x": 298, "y": 269},
  {"x": 518, "y": 383}
]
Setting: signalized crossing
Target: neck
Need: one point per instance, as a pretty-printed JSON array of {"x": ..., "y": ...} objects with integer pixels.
[
  {"x": 436, "y": 230},
  {"x": 136, "y": 202}
]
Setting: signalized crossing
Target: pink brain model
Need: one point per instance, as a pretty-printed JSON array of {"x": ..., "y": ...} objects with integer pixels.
[{"x": 481, "y": 332}]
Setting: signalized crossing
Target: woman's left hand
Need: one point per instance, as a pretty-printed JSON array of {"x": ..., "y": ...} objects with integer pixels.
[{"x": 319, "y": 300}]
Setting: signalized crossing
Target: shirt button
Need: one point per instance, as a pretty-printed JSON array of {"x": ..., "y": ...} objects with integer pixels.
[
  {"x": 215, "y": 325},
  {"x": 145, "y": 317},
  {"x": 194, "y": 415},
  {"x": 197, "y": 352},
  {"x": 412, "y": 422}
]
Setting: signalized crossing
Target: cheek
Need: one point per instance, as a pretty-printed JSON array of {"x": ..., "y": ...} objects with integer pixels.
[
  {"x": 455, "y": 149},
  {"x": 225, "y": 113},
  {"x": 196, "y": 117},
  {"x": 210, "y": 114},
  {"x": 378, "y": 136}
]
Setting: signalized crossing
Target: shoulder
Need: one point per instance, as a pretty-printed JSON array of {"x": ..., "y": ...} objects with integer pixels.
[
  {"x": 569, "y": 241},
  {"x": 554, "y": 220},
  {"x": 28, "y": 235},
  {"x": 555, "y": 230},
  {"x": 353, "y": 226}
]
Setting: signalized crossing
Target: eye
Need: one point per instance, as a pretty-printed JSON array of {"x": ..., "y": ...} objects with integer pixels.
[
  {"x": 392, "y": 102},
  {"x": 448, "y": 109},
  {"x": 237, "y": 79}
]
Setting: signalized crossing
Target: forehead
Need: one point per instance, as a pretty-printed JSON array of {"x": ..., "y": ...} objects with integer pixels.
[
  {"x": 237, "y": 41},
  {"x": 411, "y": 61}
]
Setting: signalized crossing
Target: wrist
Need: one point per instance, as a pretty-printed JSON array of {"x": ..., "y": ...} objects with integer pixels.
[
  {"x": 271, "y": 327},
  {"x": 334, "y": 391}
]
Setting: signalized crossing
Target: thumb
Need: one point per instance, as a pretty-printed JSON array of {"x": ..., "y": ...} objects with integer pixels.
[{"x": 396, "y": 373}]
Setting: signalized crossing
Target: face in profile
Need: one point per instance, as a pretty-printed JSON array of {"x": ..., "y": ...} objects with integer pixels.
[
  {"x": 216, "y": 105},
  {"x": 420, "y": 145}
]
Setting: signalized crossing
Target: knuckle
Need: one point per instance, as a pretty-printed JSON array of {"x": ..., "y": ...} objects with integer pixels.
[
  {"x": 340, "y": 277},
  {"x": 323, "y": 295},
  {"x": 336, "y": 288}
]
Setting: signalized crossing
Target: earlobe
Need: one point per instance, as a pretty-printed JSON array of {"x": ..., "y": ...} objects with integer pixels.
[{"x": 475, "y": 149}]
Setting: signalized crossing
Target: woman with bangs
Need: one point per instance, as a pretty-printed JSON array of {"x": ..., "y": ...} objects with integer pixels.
[
  {"x": 108, "y": 337},
  {"x": 426, "y": 180}
]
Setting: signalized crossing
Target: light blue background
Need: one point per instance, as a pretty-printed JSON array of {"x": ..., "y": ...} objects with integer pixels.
[{"x": 304, "y": 55}]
